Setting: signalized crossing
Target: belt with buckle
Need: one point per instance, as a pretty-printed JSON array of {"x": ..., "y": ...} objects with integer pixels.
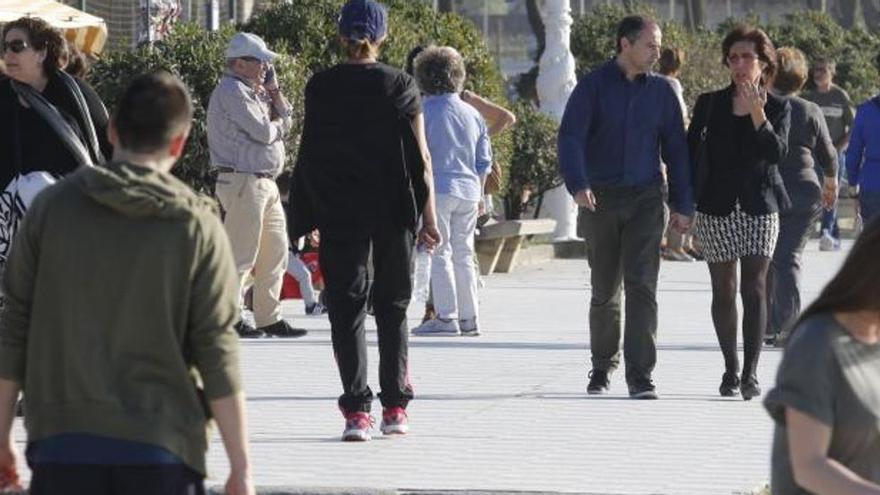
[{"x": 230, "y": 170}]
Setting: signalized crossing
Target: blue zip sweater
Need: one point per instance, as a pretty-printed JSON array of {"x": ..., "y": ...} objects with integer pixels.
[{"x": 863, "y": 154}]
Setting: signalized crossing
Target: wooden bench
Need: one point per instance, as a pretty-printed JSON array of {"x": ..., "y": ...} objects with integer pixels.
[{"x": 499, "y": 243}]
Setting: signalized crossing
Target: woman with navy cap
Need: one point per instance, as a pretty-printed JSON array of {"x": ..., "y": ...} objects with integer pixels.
[{"x": 363, "y": 178}]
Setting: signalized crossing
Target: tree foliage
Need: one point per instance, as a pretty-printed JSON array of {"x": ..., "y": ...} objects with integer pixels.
[
  {"x": 533, "y": 166},
  {"x": 196, "y": 56},
  {"x": 304, "y": 33},
  {"x": 815, "y": 33}
]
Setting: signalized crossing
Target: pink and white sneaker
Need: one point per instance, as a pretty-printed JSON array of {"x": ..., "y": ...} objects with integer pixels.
[
  {"x": 394, "y": 421},
  {"x": 358, "y": 427}
]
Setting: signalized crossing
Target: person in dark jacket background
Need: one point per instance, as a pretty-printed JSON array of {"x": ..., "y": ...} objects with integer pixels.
[
  {"x": 739, "y": 195},
  {"x": 808, "y": 138}
]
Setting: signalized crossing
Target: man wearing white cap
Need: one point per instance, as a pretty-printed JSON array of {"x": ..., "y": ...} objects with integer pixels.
[{"x": 248, "y": 119}]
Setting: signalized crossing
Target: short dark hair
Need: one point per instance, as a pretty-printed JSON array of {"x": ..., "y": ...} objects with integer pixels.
[
  {"x": 792, "y": 72},
  {"x": 42, "y": 36},
  {"x": 631, "y": 28},
  {"x": 153, "y": 109},
  {"x": 671, "y": 60},
  {"x": 763, "y": 47}
]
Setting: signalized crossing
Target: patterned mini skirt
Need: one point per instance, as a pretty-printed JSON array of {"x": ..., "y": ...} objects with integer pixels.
[{"x": 733, "y": 236}]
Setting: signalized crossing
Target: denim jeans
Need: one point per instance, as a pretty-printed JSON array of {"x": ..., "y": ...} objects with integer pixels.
[{"x": 829, "y": 217}]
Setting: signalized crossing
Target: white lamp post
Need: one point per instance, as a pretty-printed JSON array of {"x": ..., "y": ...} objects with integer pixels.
[{"x": 556, "y": 81}]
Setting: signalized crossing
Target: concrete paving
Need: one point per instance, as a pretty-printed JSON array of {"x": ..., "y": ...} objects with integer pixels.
[{"x": 508, "y": 412}]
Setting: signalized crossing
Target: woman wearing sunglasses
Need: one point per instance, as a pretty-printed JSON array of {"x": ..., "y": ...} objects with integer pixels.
[
  {"x": 51, "y": 121},
  {"x": 737, "y": 138}
]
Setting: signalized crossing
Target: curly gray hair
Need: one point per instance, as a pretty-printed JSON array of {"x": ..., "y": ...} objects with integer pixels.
[{"x": 439, "y": 70}]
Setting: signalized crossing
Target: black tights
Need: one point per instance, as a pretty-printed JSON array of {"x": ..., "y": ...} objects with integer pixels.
[{"x": 754, "y": 297}]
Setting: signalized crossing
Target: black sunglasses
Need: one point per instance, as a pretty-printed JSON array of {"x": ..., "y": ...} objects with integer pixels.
[
  {"x": 15, "y": 46},
  {"x": 250, "y": 59}
]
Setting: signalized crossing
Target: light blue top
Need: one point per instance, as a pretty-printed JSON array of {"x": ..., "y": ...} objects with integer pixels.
[{"x": 458, "y": 140}]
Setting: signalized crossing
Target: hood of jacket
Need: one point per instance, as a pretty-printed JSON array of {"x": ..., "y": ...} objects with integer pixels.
[{"x": 140, "y": 192}]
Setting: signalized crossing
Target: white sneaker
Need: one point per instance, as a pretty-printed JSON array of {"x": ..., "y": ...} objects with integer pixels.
[
  {"x": 469, "y": 327},
  {"x": 827, "y": 242},
  {"x": 438, "y": 327}
]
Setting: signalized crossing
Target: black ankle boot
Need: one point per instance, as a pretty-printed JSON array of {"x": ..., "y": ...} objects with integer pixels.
[
  {"x": 729, "y": 384},
  {"x": 749, "y": 388}
]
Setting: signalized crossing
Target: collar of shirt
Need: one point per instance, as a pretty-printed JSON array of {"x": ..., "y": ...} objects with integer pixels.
[
  {"x": 247, "y": 82},
  {"x": 613, "y": 67},
  {"x": 444, "y": 96}
]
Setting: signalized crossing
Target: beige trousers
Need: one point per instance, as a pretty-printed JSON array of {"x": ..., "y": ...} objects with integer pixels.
[{"x": 257, "y": 230}]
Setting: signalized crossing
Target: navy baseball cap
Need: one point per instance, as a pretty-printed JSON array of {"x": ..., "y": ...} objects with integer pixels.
[{"x": 361, "y": 19}]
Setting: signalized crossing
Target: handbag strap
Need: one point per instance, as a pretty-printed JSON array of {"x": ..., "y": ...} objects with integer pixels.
[
  {"x": 53, "y": 117},
  {"x": 83, "y": 107},
  {"x": 705, "y": 131}
]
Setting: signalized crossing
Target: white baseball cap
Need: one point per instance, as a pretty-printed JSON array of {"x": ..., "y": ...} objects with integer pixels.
[{"x": 249, "y": 45}]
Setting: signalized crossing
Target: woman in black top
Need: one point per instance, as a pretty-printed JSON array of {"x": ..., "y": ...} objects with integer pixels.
[
  {"x": 739, "y": 194},
  {"x": 50, "y": 122},
  {"x": 356, "y": 182},
  {"x": 809, "y": 143},
  {"x": 31, "y": 51}
]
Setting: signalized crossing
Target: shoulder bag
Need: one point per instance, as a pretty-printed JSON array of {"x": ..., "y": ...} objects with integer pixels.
[{"x": 701, "y": 161}]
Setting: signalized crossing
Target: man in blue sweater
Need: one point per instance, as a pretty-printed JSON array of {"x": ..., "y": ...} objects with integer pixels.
[
  {"x": 618, "y": 122},
  {"x": 863, "y": 158}
]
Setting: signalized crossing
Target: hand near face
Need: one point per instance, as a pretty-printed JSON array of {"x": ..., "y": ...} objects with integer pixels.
[{"x": 754, "y": 94}]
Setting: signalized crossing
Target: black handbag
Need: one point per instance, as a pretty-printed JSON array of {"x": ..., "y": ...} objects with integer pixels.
[{"x": 701, "y": 163}]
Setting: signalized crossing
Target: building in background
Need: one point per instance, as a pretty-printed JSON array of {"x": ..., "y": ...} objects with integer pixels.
[{"x": 126, "y": 19}]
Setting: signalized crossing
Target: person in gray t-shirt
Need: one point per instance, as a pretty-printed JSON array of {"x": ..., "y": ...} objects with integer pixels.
[
  {"x": 838, "y": 111},
  {"x": 826, "y": 403}
]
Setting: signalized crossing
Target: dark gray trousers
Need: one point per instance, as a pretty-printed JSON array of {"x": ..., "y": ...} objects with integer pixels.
[
  {"x": 784, "y": 275},
  {"x": 623, "y": 246}
]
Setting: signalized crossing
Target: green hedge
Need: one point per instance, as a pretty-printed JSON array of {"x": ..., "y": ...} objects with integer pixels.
[
  {"x": 304, "y": 32},
  {"x": 533, "y": 166},
  {"x": 197, "y": 57},
  {"x": 308, "y": 28}
]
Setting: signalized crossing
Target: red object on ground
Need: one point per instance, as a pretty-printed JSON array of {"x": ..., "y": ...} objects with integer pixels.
[{"x": 290, "y": 287}]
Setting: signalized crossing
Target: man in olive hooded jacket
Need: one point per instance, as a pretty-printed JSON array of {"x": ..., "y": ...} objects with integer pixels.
[{"x": 121, "y": 302}]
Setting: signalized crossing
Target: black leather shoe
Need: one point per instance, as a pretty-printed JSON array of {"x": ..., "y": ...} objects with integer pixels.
[
  {"x": 282, "y": 329},
  {"x": 729, "y": 385},
  {"x": 246, "y": 331},
  {"x": 600, "y": 382},
  {"x": 749, "y": 388}
]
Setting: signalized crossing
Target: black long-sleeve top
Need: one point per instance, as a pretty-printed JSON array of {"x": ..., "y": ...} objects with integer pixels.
[
  {"x": 41, "y": 148},
  {"x": 743, "y": 161}
]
